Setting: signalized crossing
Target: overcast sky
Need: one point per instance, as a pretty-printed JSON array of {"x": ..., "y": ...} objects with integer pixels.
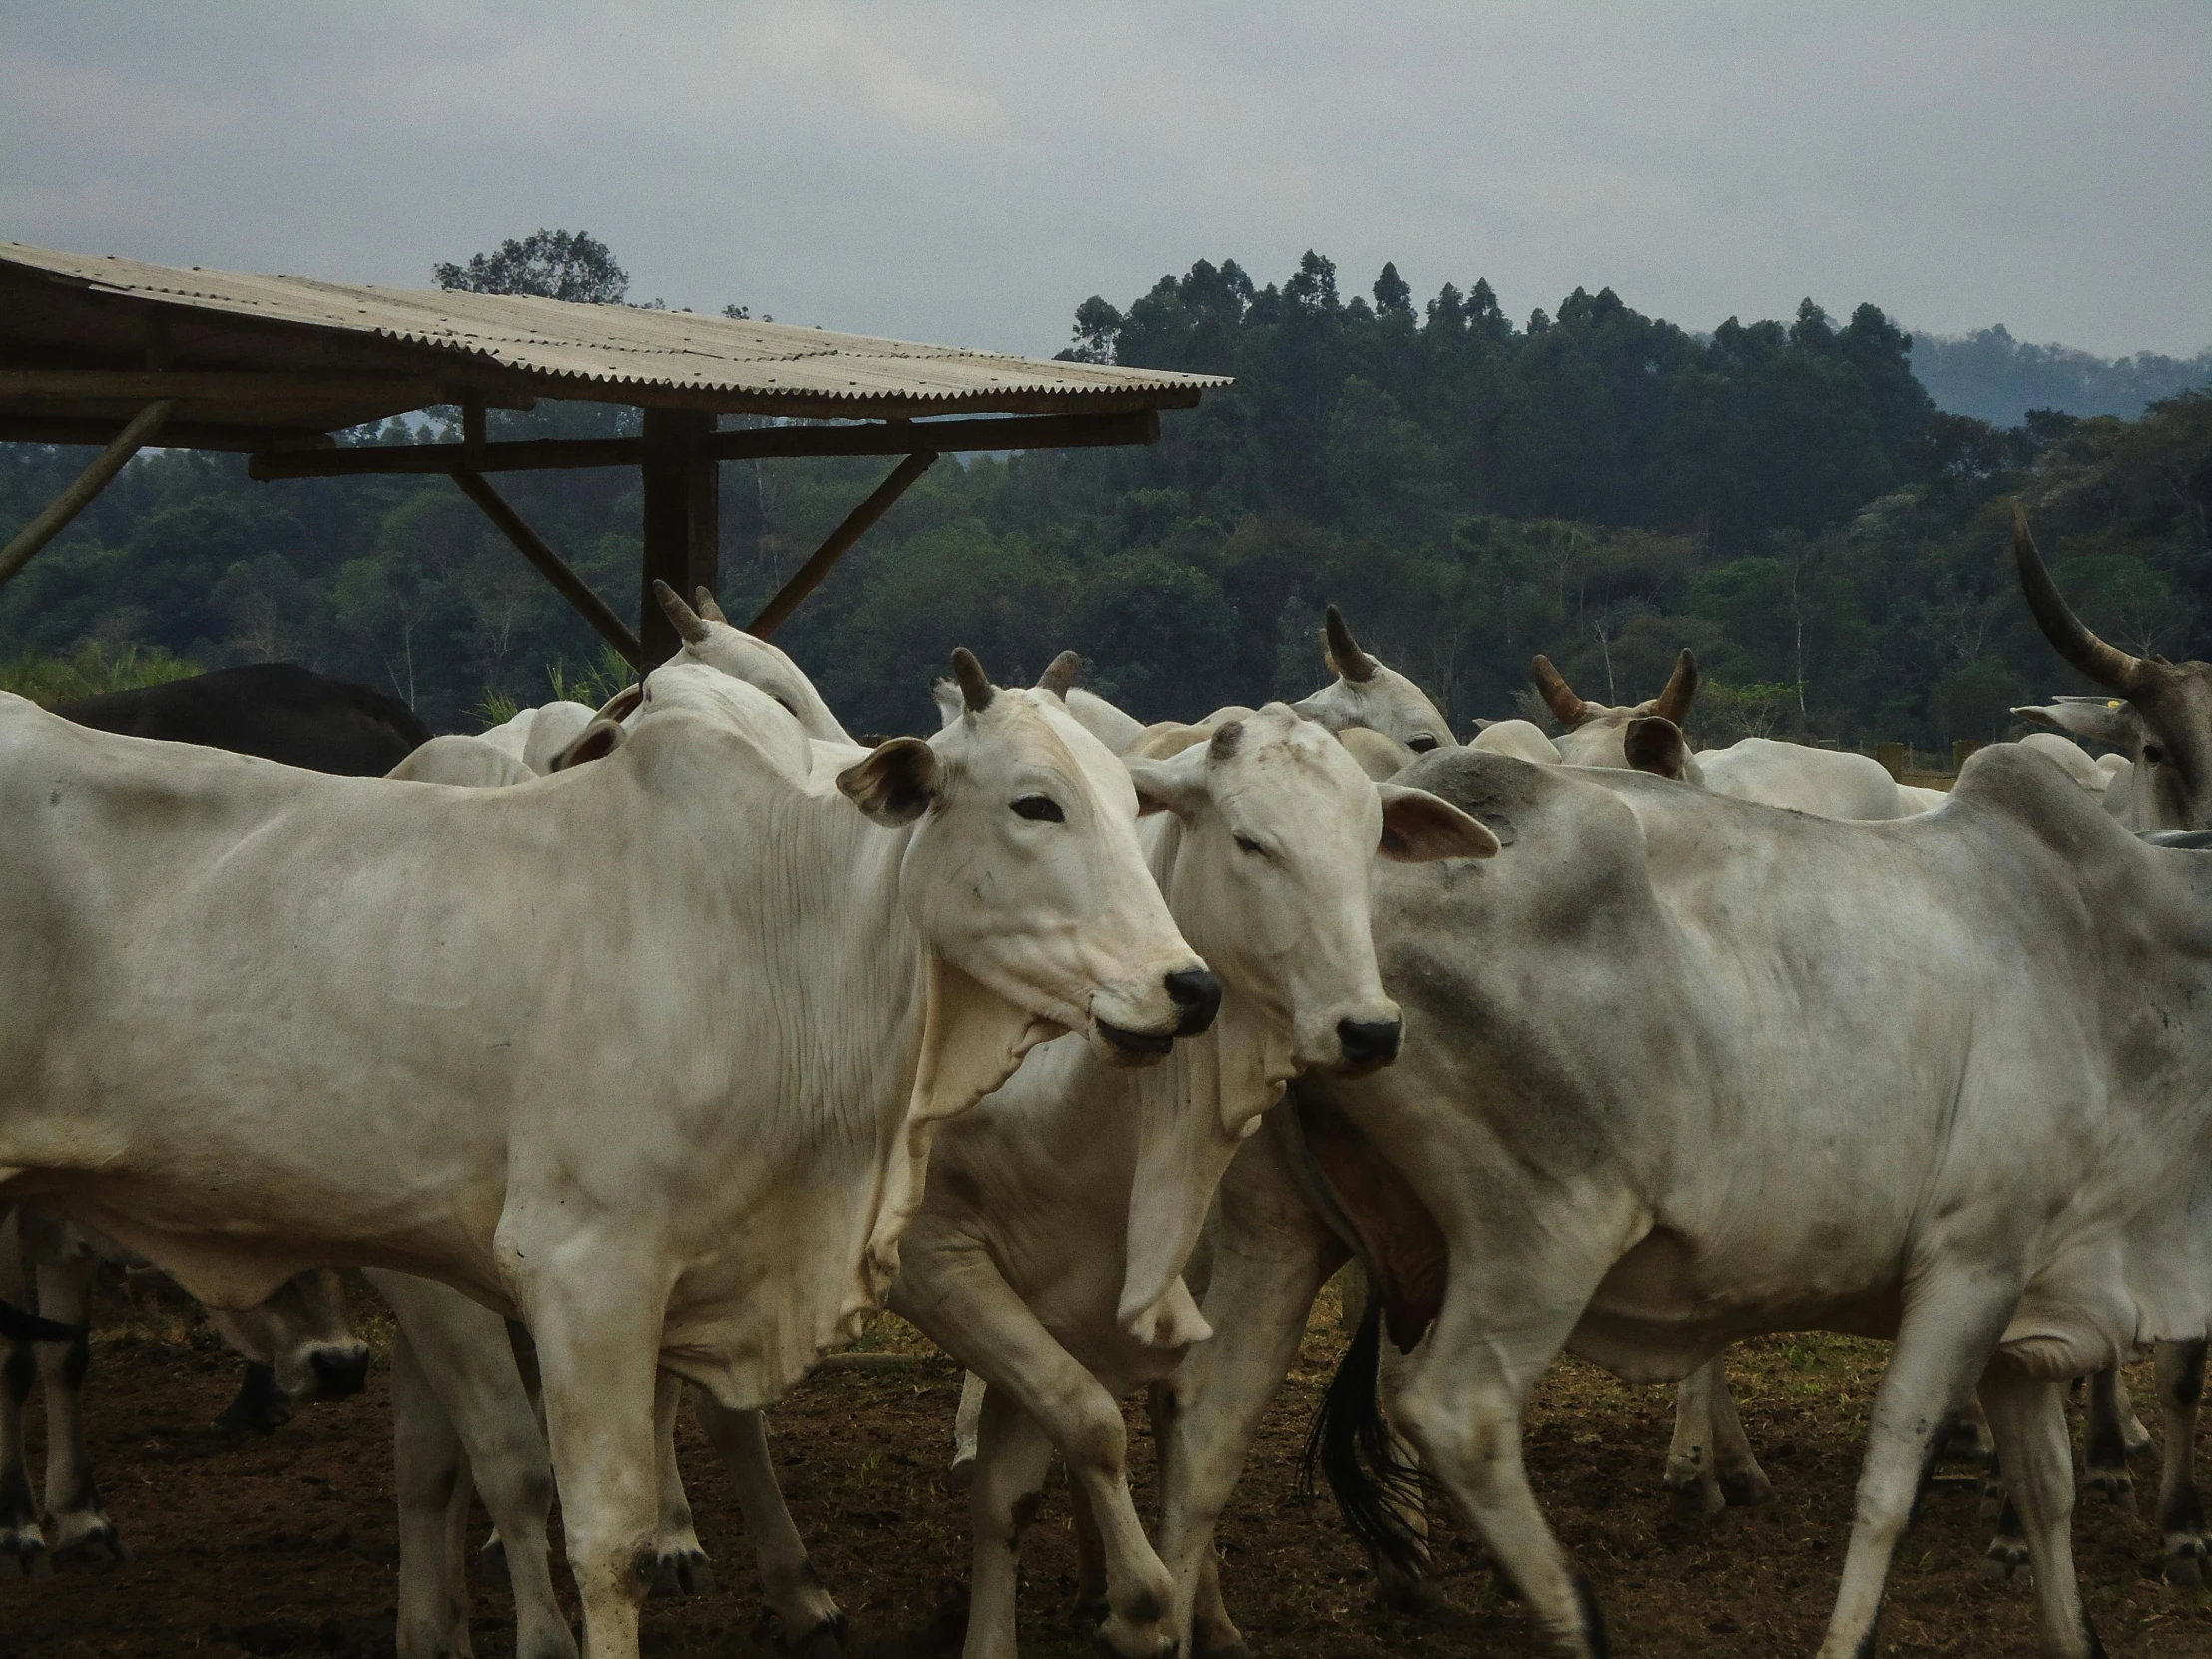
[{"x": 968, "y": 173}]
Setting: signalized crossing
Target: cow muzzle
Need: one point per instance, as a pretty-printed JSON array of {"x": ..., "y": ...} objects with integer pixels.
[
  {"x": 1181, "y": 1003},
  {"x": 333, "y": 1371},
  {"x": 1369, "y": 1044}
]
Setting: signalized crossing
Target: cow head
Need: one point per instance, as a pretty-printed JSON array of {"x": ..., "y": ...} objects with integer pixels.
[
  {"x": 1278, "y": 831},
  {"x": 1023, "y": 870},
  {"x": 1369, "y": 693},
  {"x": 708, "y": 638},
  {"x": 1596, "y": 733},
  {"x": 303, "y": 1334},
  {"x": 2160, "y": 714}
]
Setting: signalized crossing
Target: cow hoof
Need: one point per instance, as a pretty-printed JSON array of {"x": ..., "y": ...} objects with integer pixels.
[
  {"x": 2116, "y": 1484},
  {"x": 1164, "y": 1647},
  {"x": 825, "y": 1641},
  {"x": 1694, "y": 1504},
  {"x": 1746, "y": 1488},
  {"x": 961, "y": 1475},
  {"x": 2006, "y": 1561},
  {"x": 23, "y": 1555},
  {"x": 1404, "y": 1592},
  {"x": 86, "y": 1538},
  {"x": 683, "y": 1572},
  {"x": 2186, "y": 1559}
]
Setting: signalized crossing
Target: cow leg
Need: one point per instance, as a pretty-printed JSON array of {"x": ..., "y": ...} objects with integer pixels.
[
  {"x": 1272, "y": 1256},
  {"x": 1012, "y": 1454},
  {"x": 963, "y": 1431},
  {"x": 471, "y": 1382},
  {"x": 75, "y": 1520},
  {"x": 2105, "y": 1440},
  {"x": 1948, "y": 1331},
  {"x": 2180, "y": 1373},
  {"x": 2028, "y": 1416},
  {"x": 430, "y": 1472},
  {"x": 22, "y": 1543},
  {"x": 975, "y": 1313},
  {"x": 1693, "y": 1474},
  {"x": 679, "y": 1566},
  {"x": 1464, "y": 1408},
  {"x": 812, "y": 1620},
  {"x": 1970, "y": 1442},
  {"x": 2008, "y": 1554},
  {"x": 1743, "y": 1482},
  {"x": 1404, "y": 1586},
  {"x": 1091, "y": 1609},
  {"x": 259, "y": 1406},
  {"x": 598, "y": 1334}
]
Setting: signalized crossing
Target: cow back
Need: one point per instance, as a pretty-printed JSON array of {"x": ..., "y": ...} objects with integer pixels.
[{"x": 277, "y": 710}]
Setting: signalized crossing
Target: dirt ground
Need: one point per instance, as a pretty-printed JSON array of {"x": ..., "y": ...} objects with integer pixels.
[{"x": 286, "y": 1545}]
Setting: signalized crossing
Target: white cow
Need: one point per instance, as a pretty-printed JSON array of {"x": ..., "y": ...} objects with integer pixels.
[
  {"x": 1047, "y": 1254},
  {"x": 649, "y": 1053},
  {"x": 1370, "y": 693},
  {"x": 531, "y": 736},
  {"x": 1677, "y": 1094},
  {"x": 1595, "y": 734}
]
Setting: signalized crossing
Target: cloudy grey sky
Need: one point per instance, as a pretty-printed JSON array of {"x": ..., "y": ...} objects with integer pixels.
[{"x": 967, "y": 173}]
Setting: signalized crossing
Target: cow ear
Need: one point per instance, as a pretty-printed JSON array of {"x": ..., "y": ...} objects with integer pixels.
[
  {"x": 1174, "y": 786},
  {"x": 1420, "y": 828},
  {"x": 2100, "y": 720},
  {"x": 598, "y": 741},
  {"x": 622, "y": 704},
  {"x": 896, "y": 783},
  {"x": 1654, "y": 744}
]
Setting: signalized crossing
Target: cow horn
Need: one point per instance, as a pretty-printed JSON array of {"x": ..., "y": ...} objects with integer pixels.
[
  {"x": 704, "y": 598},
  {"x": 1570, "y": 708},
  {"x": 1674, "y": 703},
  {"x": 1058, "y": 677},
  {"x": 1344, "y": 655},
  {"x": 976, "y": 690},
  {"x": 681, "y": 616},
  {"x": 2106, "y": 665}
]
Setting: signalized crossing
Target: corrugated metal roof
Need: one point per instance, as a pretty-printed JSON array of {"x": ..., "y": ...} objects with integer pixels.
[{"x": 606, "y": 352}]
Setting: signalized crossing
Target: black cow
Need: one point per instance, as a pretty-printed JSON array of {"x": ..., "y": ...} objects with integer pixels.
[{"x": 278, "y": 711}]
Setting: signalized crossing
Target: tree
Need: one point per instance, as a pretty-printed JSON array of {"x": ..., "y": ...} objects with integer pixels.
[
  {"x": 546, "y": 264},
  {"x": 1391, "y": 291}
]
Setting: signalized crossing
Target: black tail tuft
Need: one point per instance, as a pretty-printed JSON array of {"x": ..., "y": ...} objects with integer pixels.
[
  {"x": 1372, "y": 1484},
  {"x": 18, "y": 1327}
]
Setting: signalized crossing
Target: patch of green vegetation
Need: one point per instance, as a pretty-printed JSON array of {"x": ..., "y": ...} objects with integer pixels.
[{"x": 90, "y": 672}]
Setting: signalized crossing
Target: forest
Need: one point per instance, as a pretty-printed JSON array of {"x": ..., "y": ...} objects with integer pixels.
[{"x": 1781, "y": 496}]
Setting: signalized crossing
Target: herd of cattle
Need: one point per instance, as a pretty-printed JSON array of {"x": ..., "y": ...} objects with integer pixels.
[{"x": 659, "y": 1044}]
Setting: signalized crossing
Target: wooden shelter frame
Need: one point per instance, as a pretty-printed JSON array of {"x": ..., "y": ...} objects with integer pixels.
[{"x": 147, "y": 362}]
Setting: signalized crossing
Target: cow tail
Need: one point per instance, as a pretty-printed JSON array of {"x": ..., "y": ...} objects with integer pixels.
[
  {"x": 1373, "y": 1484},
  {"x": 18, "y": 1327}
]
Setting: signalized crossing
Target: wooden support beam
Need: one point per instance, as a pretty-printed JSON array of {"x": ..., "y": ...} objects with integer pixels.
[
  {"x": 895, "y": 437},
  {"x": 682, "y": 519},
  {"x": 550, "y": 565},
  {"x": 78, "y": 495},
  {"x": 83, "y": 385},
  {"x": 176, "y": 435},
  {"x": 808, "y": 575}
]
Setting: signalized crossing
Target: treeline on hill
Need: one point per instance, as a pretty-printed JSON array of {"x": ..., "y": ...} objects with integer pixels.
[{"x": 1597, "y": 485}]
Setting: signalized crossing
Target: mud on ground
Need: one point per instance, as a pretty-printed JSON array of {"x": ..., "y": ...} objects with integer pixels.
[{"x": 288, "y": 1545}]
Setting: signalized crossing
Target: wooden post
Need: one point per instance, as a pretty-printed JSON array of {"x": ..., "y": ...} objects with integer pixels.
[
  {"x": 1961, "y": 748},
  {"x": 682, "y": 519},
  {"x": 23, "y": 548},
  {"x": 550, "y": 565},
  {"x": 808, "y": 575},
  {"x": 1892, "y": 757}
]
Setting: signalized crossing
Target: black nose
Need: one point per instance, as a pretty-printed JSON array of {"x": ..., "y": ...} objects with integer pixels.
[
  {"x": 1198, "y": 994},
  {"x": 1370, "y": 1042},
  {"x": 337, "y": 1375}
]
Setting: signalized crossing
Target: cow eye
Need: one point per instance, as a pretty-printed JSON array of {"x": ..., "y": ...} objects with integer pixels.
[
  {"x": 1041, "y": 808},
  {"x": 1422, "y": 744},
  {"x": 1245, "y": 843}
]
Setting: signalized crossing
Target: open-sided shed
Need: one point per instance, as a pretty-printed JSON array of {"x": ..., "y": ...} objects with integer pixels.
[{"x": 96, "y": 349}]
